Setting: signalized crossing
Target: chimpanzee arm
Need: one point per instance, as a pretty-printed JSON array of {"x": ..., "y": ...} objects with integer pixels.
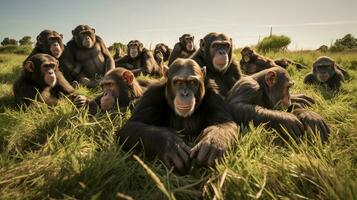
[
  {"x": 124, "y": 62},
  {"x": 150, "y": 66},
  {"x": 243, "y": 100},
  {"x": 145, "y": 129},
  {"x": 23, "y": 92},
  {"x": 145, "y": 121},
  {"x": 47, "y": 97},
  {"x": 310, "y": 79},
  {"x": 63, "y": 84},
  {"x": 175, "y": 53},
  {"x": 109, "y": 61},
  {"x": 219, "y": 131}
]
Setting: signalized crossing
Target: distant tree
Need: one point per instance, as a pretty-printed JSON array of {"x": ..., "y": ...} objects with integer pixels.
[
  {"x": 8, "y": 41},
  {"x": 347, "y": 42},
  {"x": 274, "y": 43},
  {"x": 26, "y": 40}
]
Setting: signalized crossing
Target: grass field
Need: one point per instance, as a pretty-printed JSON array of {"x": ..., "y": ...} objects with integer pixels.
[{"x": 60, "y": 153}]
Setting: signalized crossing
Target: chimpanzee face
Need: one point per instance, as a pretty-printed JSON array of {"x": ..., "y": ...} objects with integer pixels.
[
  {"x": 219, "y": 52},
  {"x": 84, "y": 36},
  {"x": 134, "y": 48},
  {"x": 185, "y": 86},
  {"x": 247, "y": 54}
]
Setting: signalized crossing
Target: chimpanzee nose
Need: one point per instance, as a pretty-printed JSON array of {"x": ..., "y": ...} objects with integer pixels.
[
  {"x": 50, "y": 72},
  {"x": 222, "y": 52},
  {"x": 184, "y": 93}
]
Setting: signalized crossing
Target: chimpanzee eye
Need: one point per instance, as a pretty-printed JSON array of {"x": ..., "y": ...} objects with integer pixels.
[
  {"x": 192, "y": 82},
  {"x": 177, "y": 82}
]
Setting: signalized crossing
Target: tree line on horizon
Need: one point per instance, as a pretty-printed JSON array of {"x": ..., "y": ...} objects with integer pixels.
[{"x": 271, "y": 43}]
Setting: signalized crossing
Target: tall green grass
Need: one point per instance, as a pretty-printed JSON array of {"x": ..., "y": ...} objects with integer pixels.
[{"x": 62, "y": 153}]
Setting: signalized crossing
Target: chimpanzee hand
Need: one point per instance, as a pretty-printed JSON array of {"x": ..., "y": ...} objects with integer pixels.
[
  {"x": 314, "y": 121},
  {"x": 290, "y": 122},
  {"x": 301, "y": 100},
  {"x": 80, "y": 101},
  {"x": 213, "y": 142},
  {"x": 174, "y": 153},
  {"x": 75, "y": 84}
]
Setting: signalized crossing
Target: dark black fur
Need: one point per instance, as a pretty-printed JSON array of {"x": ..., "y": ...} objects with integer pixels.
[
  {"x": 66, "y": 62},
  {"x": 180, "y": 50},
  {"x": 143, "y": 63},
  {"x": 93, "y": 61},
  {"x": 30, "y": 84},
  {"x": 154, "y": 122},
  {"x": 336, "y": 74},
  {"x": 225, "y": 79},
  {"x": 251, "y": 100}
]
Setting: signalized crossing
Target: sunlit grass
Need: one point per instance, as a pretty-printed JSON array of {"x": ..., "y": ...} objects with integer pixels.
[{"x": 61, "y": 152}]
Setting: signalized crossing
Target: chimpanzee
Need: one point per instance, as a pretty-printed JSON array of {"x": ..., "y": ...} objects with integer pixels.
[
  {"x": 117, "y": 54},
  {"x": 261, "y": 98},
  {"x": 284, "y": 63},
  {"x": 161, "y": 53},
  {"x": 216, "y": 54},
  {"x": 119, "y": 88},
  {"x": 252, "y": 62},
  {"x": 183, "y": 49},
  {"x": 91, "y": 54},
  {"x": 139, "y": 60},
  {"x": 325, "y": 71},
  {"x": 50, "y": 42},
  {"x": 40, "y": 80},
  {"x": 183, "y": 104}
]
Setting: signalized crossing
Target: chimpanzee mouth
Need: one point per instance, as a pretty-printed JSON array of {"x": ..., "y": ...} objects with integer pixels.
[
  {"x": 323, "y": 78},
  {"x": 184, "y": 107}
]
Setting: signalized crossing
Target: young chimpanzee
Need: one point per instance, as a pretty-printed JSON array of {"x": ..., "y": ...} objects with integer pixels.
[
  {"x": 216, "y": 53},
  {"x": 139, "y": 60},
  {"x": 50, "y": 42},
  {"x": 326, "y": 72},
  {"x": 261, "y": 98},
  {"x": 184, "y": 104},
  {"x": 90, "y": 54},
  {"x": 183, "y": 49},
  {"x": 40, "y": 80},
  {"x": 119, "y": 88}
]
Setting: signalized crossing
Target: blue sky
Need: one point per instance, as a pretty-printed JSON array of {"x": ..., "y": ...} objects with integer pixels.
[{"x": 310, "y": 23}]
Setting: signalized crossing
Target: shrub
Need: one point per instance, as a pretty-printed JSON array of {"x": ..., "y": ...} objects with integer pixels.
[
  {"x": 8, "y": 41},
  {"x": 26, "y": 41},
  {"x": 273, "y": 43}
]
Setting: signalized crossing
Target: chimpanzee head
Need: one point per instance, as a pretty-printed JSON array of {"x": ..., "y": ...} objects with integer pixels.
[
  {"x": 84, "y": 36},
  {"x": 185, "y": 87}
]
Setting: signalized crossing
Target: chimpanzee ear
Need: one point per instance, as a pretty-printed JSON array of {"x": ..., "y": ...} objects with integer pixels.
[
  {"x": 29, "y": 66},
  {"x": 270, "y": 78},
  {"x": 61, "y": 35},
  {"x": 202, "y": 43},
  {"x": 128, "y": 77},
  {"x": 204, "y": 71},
  {"x": 93, "y": 30}
]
